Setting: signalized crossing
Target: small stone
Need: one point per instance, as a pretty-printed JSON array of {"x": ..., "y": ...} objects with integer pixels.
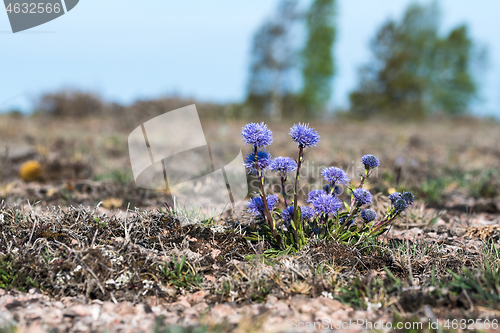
[
  {"x": 108, "y": 307},
  {"x": 80, "y": 310},
  {"x": 35, "y": 327},
  {"x": 80, "y": 327},
  {"x": 151, "y": 301},
  {"x": 179, "y": 306},
  {"x": 200, "y": 306},
  {"x": 222, "y": 310},
  {"x": 12, "y": 304},
  {"x": 331, "y": 304},
  {"x": 197, "y": 296},
  {"x": 95, "y": 311},
  {"x": 271, "y": 300},
  {"x": 210, "y": 278},
  {"x": 125, "y": 308},
  {"x": 53, "y": 317},
  {"x": 119, "y": 239}
]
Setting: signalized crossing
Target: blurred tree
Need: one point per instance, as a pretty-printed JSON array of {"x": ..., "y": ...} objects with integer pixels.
[
  {"x": 272, "y": 61},
  {"x": 318, "y": 68},
  {"x": 415, "y": 71}
]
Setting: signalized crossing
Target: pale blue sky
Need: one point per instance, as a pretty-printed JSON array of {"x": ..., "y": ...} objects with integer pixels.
[{"x": 126, "y": 50}]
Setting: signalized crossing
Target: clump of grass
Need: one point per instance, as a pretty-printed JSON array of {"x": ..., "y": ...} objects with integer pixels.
[
  {"x": 180, "y": 273},
  {"x": 115, "y": 176},
  {"x": 14, "y": 275},
  {"x": 484, "y": 184},
  {"x": 481, "y": 285}
]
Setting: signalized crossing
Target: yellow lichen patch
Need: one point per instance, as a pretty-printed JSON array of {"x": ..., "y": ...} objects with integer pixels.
[
  {"x": 5, "y": 189},
  {"x": 112, "y": 203},
  {"x": 30, "y": 171}
]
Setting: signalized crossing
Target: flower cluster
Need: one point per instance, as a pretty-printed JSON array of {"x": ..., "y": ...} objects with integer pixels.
[
  {"x": 370, "y": 162},
  {"x": 334, "y": 175},
  {"x": 304, "y": 136},
  {"x": 401, "y": 201},
  {"x": 256, "y": 207},
  {"x": 314, "y": 194},
  {"x": 326, "y": 215},
  {"x": 368, "y": 215},
  {"x": 257, "y": 135},
  {"x": 283, "y": 165},
  {"x": 362, "y": 196},
  {"x": 262, "y": 160},
  {"x": 306, "y": 212},
  {"x": 325, "y": 204}
]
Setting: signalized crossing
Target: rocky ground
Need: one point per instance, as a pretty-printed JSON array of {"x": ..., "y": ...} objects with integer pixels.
[{"x": 74, "y": 258}]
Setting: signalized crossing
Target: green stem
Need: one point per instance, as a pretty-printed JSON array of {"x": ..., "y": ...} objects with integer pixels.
[
  {"x": 283, "y": 191},
  {"x": 267, "y": 214},
  {"x": 296, "y": 196}
]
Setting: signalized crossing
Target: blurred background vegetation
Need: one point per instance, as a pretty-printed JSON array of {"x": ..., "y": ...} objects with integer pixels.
[
  {"x": 416, "y": 69},
  {"x": 416, "y": 90}
]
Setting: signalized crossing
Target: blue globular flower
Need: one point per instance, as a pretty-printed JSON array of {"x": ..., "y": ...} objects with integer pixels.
[
  {"x": 257, "y": 134},
  {"x": 362, "y": 196},
  {"x": 336, "y": 189},
  {"x": 370, "y": 162},
  {"x": 343, "y": 220},
  {"x": 272, "y": 200},
  {"x": 304, "y": 136},
  {"x": 408, "y": 197},
  {"x": 256, "y": 207},
  {"x": 326, "y": 204},
  {"x": 287, "y": 214},
  {"x": 314, "y": 194},
  {"x": 368, "y": 215},
  {"x": 283, "y": 165},
  {"x": 263, "y": 159},
  {"x": 335, "y": 175},
  {"x": 400, "y": 205},
  {"x": 394, "y": 197},
  {"x": 306, "y": 213}
]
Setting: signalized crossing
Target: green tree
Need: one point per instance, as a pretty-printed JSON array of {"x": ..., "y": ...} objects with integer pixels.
[
  {"x": 318, "y": 69},
  {"x": 273, "y": 60},
  {"x": 415, "y": 71}
]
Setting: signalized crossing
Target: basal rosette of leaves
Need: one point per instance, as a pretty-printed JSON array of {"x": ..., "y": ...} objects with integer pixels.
[{"x": 327, "y": 216}]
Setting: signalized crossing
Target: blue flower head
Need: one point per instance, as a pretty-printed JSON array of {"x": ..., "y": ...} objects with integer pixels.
[
  {"x": 287, "y": 214},
  {"x": 263, "y": 158},
  {"x": 314, "y": 194},
  {"x": 306, "y": 213},
  {"x": 400, "y": 205},
  {"x": 408, "y": 197},
  {"x": 336, "y": 189},
  {"x": 370, "y": 162},
  {"x": 362, "y": 196},
  {"x": 304, "y": 136},
  {"x": 257, "y": 134},
  {"x": 368, "y": 215},
  {"x": 343, "y": 220},
  {"x": 335, "y": 175},
  {"x": 272, "y": 200},
  {"x": 256, "y": 207},
  {"x": 283, "y": 165},
  {"x": 326, "y": 204},
  {"x": 394, "y": 197}
]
